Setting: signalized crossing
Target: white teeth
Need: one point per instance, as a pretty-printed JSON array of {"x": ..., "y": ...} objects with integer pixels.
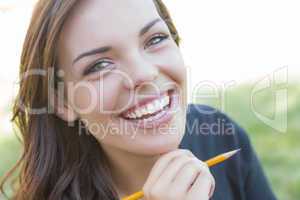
[
  {"x": 144, "y": 110},
  {"x": 150, "y": 108},
  {"x": 132, "y": 115},
  {"x": 157, "y": 103},
  {"x": 166, "y": 100},
  {"x": 139, "y": 113}
]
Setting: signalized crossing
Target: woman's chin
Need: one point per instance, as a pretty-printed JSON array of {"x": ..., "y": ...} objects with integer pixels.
[{"x": 155, "y": 144}]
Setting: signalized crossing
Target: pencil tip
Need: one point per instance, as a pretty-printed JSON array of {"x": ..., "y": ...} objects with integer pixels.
[{"x": 231, "y": 153}]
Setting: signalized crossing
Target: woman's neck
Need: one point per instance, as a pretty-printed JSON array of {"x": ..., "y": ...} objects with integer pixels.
[{"x": 129, "y": 171}]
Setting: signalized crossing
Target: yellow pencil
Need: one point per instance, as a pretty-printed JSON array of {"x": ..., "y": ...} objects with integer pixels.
[{"x": 210, "y": 162}]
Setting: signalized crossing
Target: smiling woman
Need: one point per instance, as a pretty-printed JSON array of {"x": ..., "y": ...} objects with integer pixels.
[
  {"x": 129, "y": 46},
  {"x": 115, "y": 116}
]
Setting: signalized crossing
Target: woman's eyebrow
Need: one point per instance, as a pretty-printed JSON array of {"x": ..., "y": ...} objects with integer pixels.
[
  {"x": 105, "y": 49},
  {"x": 92, "y": 52},
  {"x": 146, "y": 28}
]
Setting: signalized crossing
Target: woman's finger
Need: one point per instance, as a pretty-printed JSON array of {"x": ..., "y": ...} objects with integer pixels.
[
  {"x": 186, "y": 176},
  {"x": 161, "y": 164},
  {"x": 169, "y": 174},
  {"x": 201, "y": 188}
]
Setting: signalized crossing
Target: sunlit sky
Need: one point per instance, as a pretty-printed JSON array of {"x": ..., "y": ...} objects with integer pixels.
[
  {"x": 240, "y": 40},
  {"x": 221, "y": 40}
]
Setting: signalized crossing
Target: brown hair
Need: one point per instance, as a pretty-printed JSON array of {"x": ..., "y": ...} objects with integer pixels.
[{"x": 56, "y": 163}]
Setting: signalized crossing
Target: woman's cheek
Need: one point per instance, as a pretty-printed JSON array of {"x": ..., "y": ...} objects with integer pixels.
[
  {"x": 108, "y": 91},
  {"x": 82, "y": 97},
  {"x": 171, "y": 62},
  {"x": 97, "y": 96}
]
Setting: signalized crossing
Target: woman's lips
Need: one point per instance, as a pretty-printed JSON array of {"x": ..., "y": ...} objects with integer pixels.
[
  {"x": 162, "y": 117},
  {"x": 145, "y": 101}
]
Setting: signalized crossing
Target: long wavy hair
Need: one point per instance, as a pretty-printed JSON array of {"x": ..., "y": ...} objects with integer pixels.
[{"x": 57, "y": 163}]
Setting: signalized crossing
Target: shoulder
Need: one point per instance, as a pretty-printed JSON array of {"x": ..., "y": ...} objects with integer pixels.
[{"x": 210, "y": 132}]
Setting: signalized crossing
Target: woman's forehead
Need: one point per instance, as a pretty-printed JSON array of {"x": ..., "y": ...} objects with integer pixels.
[
  {"x": 111, "y": 15},
  {"x": 104, "y": 22}
]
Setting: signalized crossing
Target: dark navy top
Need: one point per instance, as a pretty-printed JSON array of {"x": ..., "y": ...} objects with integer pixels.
[{"x": 210, "y": 132}]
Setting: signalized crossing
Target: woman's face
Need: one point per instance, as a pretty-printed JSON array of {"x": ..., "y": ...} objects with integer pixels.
[{"x": 115, "y": 55}]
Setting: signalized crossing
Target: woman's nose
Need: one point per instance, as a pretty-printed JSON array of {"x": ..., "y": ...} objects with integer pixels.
[{"x": 141, "y": 72}]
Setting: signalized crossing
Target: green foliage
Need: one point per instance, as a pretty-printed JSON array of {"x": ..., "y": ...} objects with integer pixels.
[{"x": 9, "y": 152}]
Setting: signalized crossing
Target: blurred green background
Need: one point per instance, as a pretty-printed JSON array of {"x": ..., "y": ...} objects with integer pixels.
[{"x": 279, "y": 152}]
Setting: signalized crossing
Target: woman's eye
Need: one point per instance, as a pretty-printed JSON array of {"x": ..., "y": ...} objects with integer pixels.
[
  {"x": 157, "y": 39},
  {"x": 100, "y": 65}
]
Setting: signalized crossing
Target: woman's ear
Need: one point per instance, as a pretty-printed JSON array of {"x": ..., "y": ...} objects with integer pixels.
[{"x": 62, "y": 109}]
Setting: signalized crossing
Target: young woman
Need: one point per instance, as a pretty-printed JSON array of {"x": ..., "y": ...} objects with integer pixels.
[{"x": 102, "y": 111}]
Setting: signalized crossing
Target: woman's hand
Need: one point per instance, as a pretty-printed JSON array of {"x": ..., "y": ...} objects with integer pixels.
[{"x": 179, "y": 175}]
